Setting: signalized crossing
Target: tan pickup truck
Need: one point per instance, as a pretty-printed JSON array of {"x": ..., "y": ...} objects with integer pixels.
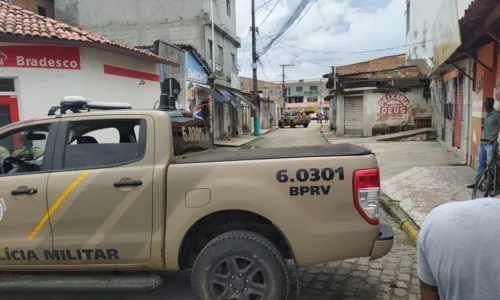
[{"x": 86, "y": 194}]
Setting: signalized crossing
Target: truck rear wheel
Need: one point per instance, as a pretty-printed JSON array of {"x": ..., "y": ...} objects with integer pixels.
[
  {"x": 281, "y": 124},
  {"x": 292, "y": 124},
  {"x": 305, "y": 125},
  {"x": 240, "y": 265}
]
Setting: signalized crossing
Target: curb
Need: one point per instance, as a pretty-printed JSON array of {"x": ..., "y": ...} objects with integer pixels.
[
  {"x": 404, "y": 221},
  {"x": 250, "y": 142}
]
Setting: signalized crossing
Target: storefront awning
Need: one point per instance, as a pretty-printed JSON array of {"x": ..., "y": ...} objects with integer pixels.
[
  {"x": 232, "y": 99},
  {"x": 216, "y": 96},
  {"x": 245, "y": 100}
]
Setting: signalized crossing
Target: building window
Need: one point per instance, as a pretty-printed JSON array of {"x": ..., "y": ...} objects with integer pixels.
[
  {"x": 233, "y": 62},
  {"x": 221, "y": 55},
  {"x": 313, "y": 88},
  {"x": 228, "y": 7},
  {"x": 7, "y": 85},
  {"x": 210, "y": 50},
  {"x": 42, "y": 11},
  {"x": 298, "y": 89}
]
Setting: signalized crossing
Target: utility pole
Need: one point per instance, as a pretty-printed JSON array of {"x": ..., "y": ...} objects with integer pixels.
[
  {"x": 283, "y": 87},
  {"x": 256, "y": 121}
]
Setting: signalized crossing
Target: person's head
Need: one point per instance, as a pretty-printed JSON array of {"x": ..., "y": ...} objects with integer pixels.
[
  {"x": 489, "y": 104},
  {"x": 25, "y": 141}
]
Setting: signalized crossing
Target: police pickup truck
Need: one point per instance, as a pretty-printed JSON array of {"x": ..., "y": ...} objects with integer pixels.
[{"x": 86, "y": 193}]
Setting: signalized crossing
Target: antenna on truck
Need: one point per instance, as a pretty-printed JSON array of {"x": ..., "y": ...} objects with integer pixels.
[{"x": 78, "y": 104}]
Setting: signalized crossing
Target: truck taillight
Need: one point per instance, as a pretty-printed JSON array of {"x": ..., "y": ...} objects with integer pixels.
[{"x": 366, "y": 192}]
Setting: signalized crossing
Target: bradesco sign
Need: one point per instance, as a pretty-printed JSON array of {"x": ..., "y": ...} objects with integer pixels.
[{"x": 41, "y": 57}]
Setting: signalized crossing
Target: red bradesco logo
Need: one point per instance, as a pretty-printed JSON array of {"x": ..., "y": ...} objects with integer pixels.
[{"x": 43, "y": 57}]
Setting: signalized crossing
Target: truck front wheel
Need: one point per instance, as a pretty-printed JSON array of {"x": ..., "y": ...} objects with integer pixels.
[{"x": 240, "y": 265}]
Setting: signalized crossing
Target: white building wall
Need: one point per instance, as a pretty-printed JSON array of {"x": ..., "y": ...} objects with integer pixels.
[
  {"x": 39, "y": 89},
  {"x": 372, "y": 115}
]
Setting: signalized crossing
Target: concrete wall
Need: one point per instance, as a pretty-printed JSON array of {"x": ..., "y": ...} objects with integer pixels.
[
  {"x": 401, "y": 111},
  {"x": 137, "y": 23},
  {"x": 381, "y": 111},
  {"x": 39, "y": 89},
  {"x": 141, "y": 22},
  {"x": 32, "y": 5}
]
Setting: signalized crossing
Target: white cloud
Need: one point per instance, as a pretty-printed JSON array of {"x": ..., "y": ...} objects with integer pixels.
[{"x": 331, "y": 27}]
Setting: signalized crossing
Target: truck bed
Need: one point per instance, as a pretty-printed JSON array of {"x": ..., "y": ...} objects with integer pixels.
[{"x": 276, "y": 153}]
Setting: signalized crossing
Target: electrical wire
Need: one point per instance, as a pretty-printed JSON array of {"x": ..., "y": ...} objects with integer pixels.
[
  {"x": 301, "y": 59},
  {"x": 298, "y": 11},
  {"x": 263, "y": 5},
  {"x": 268, "y": 59},
  {"x": 348, "y": 52},
  {"x": 272, "y": 9},
  {"x": 300, "y": 18},
  {"x": 244, "y": 49}
]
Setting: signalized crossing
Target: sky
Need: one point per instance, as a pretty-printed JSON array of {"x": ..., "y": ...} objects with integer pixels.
[{"x": 335, "y": 29}]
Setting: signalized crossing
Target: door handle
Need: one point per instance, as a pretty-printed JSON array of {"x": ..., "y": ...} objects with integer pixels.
[
  {"x": 19, "y": 192},
  {"x": 127, "y": 183}
]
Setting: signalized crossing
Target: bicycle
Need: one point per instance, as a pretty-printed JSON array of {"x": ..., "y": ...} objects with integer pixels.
[{"x": 487, "y": 184}]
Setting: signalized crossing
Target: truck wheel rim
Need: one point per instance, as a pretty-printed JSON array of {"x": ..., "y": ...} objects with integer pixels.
[{"x": 238, "y": 277}]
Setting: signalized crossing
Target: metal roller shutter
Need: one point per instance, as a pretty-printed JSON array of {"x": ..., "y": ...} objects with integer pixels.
[{"x": 353, "y": 115}]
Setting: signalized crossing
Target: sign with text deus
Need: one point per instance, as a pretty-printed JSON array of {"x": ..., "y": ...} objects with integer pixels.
[{"x": 40, "y": 57}]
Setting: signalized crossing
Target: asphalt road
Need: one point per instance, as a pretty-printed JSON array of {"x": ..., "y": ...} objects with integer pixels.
[{"x": 392, "y": 277}]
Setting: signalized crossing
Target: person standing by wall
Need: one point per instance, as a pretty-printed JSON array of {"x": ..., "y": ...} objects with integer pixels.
[{"x": 490, "y": 131}]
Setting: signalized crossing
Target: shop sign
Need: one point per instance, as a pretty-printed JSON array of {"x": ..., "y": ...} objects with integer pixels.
[
  {"x": 194, "y": 70},
  {"x": 394, "y": 104},
  {"x": 40, "y": 57},
  {"x": 447, "y": 37}
]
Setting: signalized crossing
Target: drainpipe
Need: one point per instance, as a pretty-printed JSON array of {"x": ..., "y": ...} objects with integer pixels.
[{"x": 467, "y": 92}]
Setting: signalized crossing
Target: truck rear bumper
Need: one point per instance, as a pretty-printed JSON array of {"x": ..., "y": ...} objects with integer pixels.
[{"x": 383, "y": 243}]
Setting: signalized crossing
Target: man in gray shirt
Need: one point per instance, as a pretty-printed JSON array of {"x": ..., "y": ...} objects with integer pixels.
[
  {"x": 490, "y": 131},
  {"x": 458, "y": 251}
]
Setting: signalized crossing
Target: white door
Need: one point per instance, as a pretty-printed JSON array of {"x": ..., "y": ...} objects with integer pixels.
[{"x": 353, "y": 115}]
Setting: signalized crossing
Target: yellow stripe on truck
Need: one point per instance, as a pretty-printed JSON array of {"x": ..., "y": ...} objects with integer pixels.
[{"x": 56, "y": 205}]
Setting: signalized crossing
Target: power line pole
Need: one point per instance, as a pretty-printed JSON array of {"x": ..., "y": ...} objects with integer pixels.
[
  {"x": 284, "y": 94},
  {"x": 256, "y": 121}
]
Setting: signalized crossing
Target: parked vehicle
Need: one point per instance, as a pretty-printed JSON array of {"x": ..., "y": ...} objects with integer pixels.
[
  {"x": 140, "y": 191},
  {"x": 293, "y": 119}
]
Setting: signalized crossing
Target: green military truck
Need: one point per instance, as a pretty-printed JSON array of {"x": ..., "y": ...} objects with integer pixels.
[
  {"x": 110, "y": 199},
  {"x": 293, "y": 119}
]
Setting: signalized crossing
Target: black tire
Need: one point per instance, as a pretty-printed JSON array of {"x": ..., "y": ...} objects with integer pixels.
[
  {"x": 482, "y": 186},
  {"x": 281, "y": 125},
  {"x": 268, "y": 273},
  {"x": 305, "y": 125},
  {"x": 292, "y": 124}
]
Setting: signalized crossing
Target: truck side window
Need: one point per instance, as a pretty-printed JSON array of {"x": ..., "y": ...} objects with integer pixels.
[
  {"x": 24, "y": 149},
  {"x": 104, "y": 143}
]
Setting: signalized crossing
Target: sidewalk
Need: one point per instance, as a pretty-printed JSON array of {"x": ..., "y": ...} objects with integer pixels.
[
  {"x": 417, "y": 175},
  {"x": 242, "y": 140}
]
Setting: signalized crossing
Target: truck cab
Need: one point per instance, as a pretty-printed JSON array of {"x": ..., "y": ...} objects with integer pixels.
[{"x": 141, "y": 191}]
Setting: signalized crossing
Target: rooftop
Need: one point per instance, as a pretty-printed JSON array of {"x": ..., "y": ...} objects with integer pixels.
[
  {"x": 375, "y": 65},
  {"x": 22, "y": 26}
]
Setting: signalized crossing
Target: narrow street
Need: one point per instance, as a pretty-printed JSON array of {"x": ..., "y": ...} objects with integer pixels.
[{"x": 392, "y": 277}]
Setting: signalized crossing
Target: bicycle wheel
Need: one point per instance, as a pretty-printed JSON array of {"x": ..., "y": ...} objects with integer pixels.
[{"x": 482, "y": 186}]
